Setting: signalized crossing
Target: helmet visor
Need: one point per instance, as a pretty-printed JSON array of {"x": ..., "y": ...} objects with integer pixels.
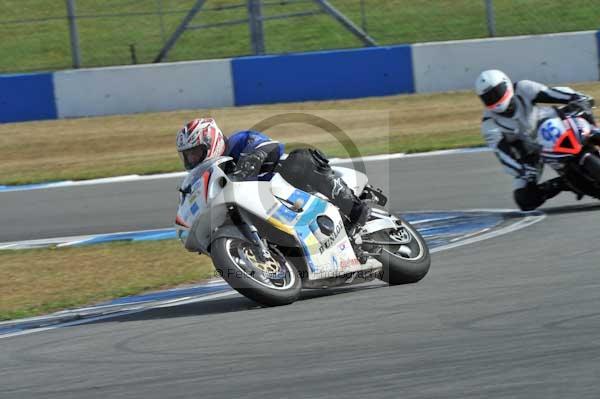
[
  {"x": 194, "y": 156},
  {"x": 495, "y": 94}
]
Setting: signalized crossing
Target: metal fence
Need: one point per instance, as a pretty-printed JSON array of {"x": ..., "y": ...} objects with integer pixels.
[{"x": 54, "y": 34}]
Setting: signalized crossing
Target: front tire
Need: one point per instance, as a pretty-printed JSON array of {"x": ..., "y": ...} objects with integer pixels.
[
  {"x": 272, "y": 283},
  {"x": 407, "y": 262},
  {"x": 584, "y": 179}
]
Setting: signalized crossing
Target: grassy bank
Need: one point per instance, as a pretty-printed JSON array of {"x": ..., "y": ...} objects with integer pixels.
[
  {"x": 44, "y": 280},
  {"x": 43, "y": 44},
  {"x": 144, "y": 143}
]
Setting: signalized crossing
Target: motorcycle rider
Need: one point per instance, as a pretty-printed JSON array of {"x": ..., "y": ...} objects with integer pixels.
[
  {"x": 509, "y": 126},
  {"x": 257, "y": 156}
]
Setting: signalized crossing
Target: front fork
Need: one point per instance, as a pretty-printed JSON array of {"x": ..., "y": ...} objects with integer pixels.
[{"x": 250, "y": 232}]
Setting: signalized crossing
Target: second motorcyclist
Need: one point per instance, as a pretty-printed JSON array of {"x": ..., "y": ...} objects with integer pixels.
[{"x": 509, "y": 124}]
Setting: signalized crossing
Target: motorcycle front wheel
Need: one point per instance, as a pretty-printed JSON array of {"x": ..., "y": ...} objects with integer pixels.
[
  {"x": 406, "y": 259},
  {"x": 272, "y": 281},
  {"x": 591, "y": 165},
  {"x": 585, "y": 178}
]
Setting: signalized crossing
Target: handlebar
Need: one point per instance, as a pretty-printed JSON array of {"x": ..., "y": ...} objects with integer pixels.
[{"x": 579, "y": 107}]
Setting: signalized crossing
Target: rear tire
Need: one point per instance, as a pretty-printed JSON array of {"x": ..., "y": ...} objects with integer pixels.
[
  {"x": 234, "y": 263},
  {"x": 400, "y": 267}
]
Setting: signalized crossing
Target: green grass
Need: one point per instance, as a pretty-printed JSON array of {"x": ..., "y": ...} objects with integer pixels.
[
  {"x": 40, "y": 281},
  {"x": 110, "y": 147},
  {"x": 406, "y": 144},
  {"x": 57, "y": 149},
  {"x": 105, "y": 41}
]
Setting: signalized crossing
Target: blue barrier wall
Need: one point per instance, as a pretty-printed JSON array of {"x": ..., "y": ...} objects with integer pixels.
[
  {"x": 598, "y": 45},
  {"x": 27, "y": 97},
  {"x": 326, "y": 75}
]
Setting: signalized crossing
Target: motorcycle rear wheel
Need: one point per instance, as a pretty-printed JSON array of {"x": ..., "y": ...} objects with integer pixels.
[
  {"x": 274, "y": 282},
  {"x": 403, "y": 263}
]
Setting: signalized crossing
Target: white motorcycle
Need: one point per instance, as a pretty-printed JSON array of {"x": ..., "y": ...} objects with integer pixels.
[{"x": 269, "y": 240}]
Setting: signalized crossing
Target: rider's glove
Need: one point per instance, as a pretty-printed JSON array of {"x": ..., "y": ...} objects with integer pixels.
[
  {"x": 583, "y": 103},
  {"x": 249, "y": 165},
  {"x": 552, "y": 187}
]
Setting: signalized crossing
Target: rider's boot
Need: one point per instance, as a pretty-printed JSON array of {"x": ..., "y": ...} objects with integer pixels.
[
  {"x": 551, "y": 188},
  {"x": 357, "y": 211},
  {"x": 356, "y": 220},
  {"x": 359, "y": 215}
]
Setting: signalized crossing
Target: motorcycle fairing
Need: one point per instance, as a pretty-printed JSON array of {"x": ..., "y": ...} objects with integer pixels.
[
  {"x": 196, "y": 190},
  {"x": 191, "y": 203},
  {"x": 292, "y": 211},
  {"x": 558, "y": 138},
  {"x": 326, "y": 256},
  {"x": 567, "y": 143}
]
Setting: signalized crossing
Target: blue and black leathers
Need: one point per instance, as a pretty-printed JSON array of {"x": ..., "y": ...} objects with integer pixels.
[{"x": 254, "y": 154}]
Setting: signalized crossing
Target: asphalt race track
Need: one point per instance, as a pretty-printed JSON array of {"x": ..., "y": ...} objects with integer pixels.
[{"x": 516, "y": 316}]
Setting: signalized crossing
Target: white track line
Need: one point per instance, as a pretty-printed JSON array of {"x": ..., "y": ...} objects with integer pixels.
[
  {"x": 400, "y": 155},
  {"x": 135, "y": 178},
  {"x": 118, "y": 314},
  {"x": 71, "y": 240},
  {"x": 521, "y": 224}
]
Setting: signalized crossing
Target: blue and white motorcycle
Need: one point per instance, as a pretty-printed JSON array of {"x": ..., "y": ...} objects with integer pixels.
[{"x": 269, "y": 240}]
